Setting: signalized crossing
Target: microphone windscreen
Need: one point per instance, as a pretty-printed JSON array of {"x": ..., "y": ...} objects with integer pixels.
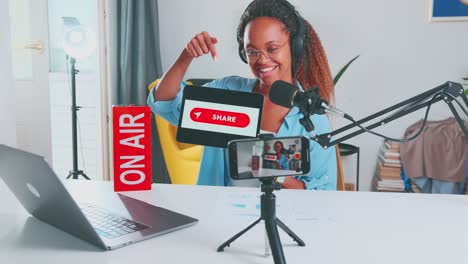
[{"x": 282, "y": 93}]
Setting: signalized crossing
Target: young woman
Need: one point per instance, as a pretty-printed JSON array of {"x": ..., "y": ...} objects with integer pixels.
[
  {"x": 277, "y": 44},
  {"x": 281, "y": 158}
]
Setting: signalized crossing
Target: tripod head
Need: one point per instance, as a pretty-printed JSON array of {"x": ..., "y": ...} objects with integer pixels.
[{"x": 269, "y": 185}]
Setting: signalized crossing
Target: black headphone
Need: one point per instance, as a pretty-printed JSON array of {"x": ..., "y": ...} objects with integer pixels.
[{"x": 296, "y": 43}]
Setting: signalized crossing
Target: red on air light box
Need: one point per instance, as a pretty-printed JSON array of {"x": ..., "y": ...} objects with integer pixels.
[{"x": 132, "y": 148}]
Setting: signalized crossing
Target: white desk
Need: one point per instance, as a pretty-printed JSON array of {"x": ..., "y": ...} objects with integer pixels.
[{"x": 337, "y": 227}]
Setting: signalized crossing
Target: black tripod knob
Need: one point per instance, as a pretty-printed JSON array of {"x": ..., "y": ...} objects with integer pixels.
[{"x": 306, "y": 123}]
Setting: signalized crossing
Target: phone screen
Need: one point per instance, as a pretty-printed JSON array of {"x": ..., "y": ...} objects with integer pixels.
[{"x": 273, "y": 157}]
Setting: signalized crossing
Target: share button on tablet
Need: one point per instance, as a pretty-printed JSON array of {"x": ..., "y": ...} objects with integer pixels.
[{"x": 219, "y": 117}]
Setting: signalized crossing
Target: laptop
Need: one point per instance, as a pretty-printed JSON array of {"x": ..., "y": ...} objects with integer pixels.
[
  {"x": 106, "y": 220},
  {"x": 213, "y": 117}
]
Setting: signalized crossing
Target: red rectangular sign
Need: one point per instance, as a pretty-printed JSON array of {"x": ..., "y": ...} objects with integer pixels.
[{"x": 132, "y": 148}]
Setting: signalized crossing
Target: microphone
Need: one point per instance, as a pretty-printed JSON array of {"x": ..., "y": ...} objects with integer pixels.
[
  {"x": 309, "y": 102},
  {"x": 283, "y": 93}
]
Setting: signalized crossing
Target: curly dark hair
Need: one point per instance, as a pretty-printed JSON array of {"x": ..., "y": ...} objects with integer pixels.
[
  {"x": 283, "y": 150},
  {"x": 310, "y": 66}
]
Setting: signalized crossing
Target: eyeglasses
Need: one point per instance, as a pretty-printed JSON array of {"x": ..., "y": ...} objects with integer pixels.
[{"x": 272, "y": 52}]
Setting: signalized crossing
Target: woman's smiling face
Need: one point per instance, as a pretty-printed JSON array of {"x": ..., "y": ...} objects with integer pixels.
[
  {"x": 278, "y": 147},
  {"x": 268, "y": 50}
]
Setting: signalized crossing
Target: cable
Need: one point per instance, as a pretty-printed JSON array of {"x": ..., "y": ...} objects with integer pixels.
[
  {"x": 404, "y": 139},
  {"x": 409, "y": 106}
]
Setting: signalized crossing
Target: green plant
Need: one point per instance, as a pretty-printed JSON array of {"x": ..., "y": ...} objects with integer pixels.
[
  {"x": 466, "y": 90},
  {"x": 338, "y": 76}
]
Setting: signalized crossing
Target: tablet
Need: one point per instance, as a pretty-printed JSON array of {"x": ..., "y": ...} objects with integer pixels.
[{"x": 213, "y": 117}]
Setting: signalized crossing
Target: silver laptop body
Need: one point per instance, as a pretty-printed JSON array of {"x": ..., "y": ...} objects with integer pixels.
[{"x": 109, "y": 221}]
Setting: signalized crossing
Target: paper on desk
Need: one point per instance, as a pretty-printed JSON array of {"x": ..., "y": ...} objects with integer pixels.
[
  {"x": 239, "y": 204},
  {"x": 292, "y": 208},
  {"x": 248, "y": 204}
]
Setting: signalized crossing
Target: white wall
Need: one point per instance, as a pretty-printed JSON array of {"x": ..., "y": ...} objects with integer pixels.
[
  {"x": 7, "y": 93},
  {"x": 402, "y": 54}
]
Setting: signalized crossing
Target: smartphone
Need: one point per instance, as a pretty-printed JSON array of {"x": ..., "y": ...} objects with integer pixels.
[{"x": 269, "y": 157}]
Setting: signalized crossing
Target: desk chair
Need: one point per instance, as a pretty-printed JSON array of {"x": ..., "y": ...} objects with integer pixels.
[{"x": 182, "y": 160}]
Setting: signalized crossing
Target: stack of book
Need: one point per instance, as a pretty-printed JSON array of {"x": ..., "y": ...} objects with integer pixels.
[{"x": 388, "y": 172}]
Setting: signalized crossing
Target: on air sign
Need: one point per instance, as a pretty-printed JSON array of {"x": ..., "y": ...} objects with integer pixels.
[{"x": 132, "y": 148}]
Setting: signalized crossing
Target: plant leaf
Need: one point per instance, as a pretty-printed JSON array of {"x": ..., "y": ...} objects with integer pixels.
[{"x": 338, "y": 76}]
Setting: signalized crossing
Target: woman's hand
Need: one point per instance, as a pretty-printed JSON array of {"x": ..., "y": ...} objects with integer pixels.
[
  {"x": 276, "y": 165},
  {"x": 292, "y": 183},
  {"x": 202, "y": 44},
  {"x": 169, "y": 85}
]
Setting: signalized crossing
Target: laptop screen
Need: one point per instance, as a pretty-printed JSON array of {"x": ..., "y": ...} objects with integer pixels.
[{"x": 213, "y": 117}]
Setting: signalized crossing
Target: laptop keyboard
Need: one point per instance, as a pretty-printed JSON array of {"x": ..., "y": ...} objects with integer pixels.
[{"x": 109, "y": 225}]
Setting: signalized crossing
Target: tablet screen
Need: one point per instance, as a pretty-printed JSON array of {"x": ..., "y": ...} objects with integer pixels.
[{"x": 213, "y": 117}]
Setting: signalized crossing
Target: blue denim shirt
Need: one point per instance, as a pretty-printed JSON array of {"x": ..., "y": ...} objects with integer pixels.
[
  {"x": 214, "y": 167},
  {"x": 283, "y": 162}
]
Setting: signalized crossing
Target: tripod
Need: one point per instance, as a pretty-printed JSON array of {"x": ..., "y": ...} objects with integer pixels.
[
  {"x": 268, "y": 206},
  {"x": 74, "y": 173}
]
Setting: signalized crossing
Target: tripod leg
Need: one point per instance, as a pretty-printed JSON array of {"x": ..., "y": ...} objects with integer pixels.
[
  {"x": 275, "y": 242},
  {"x": 290, "y": 232},
  {"x": 228, "y": 242},
  {"x": 75, "y": 174},
  {"x": 83, "y": 174}
]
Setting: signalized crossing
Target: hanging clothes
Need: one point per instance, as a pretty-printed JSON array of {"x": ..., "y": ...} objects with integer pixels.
[{"x": 437, "y": 157}]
